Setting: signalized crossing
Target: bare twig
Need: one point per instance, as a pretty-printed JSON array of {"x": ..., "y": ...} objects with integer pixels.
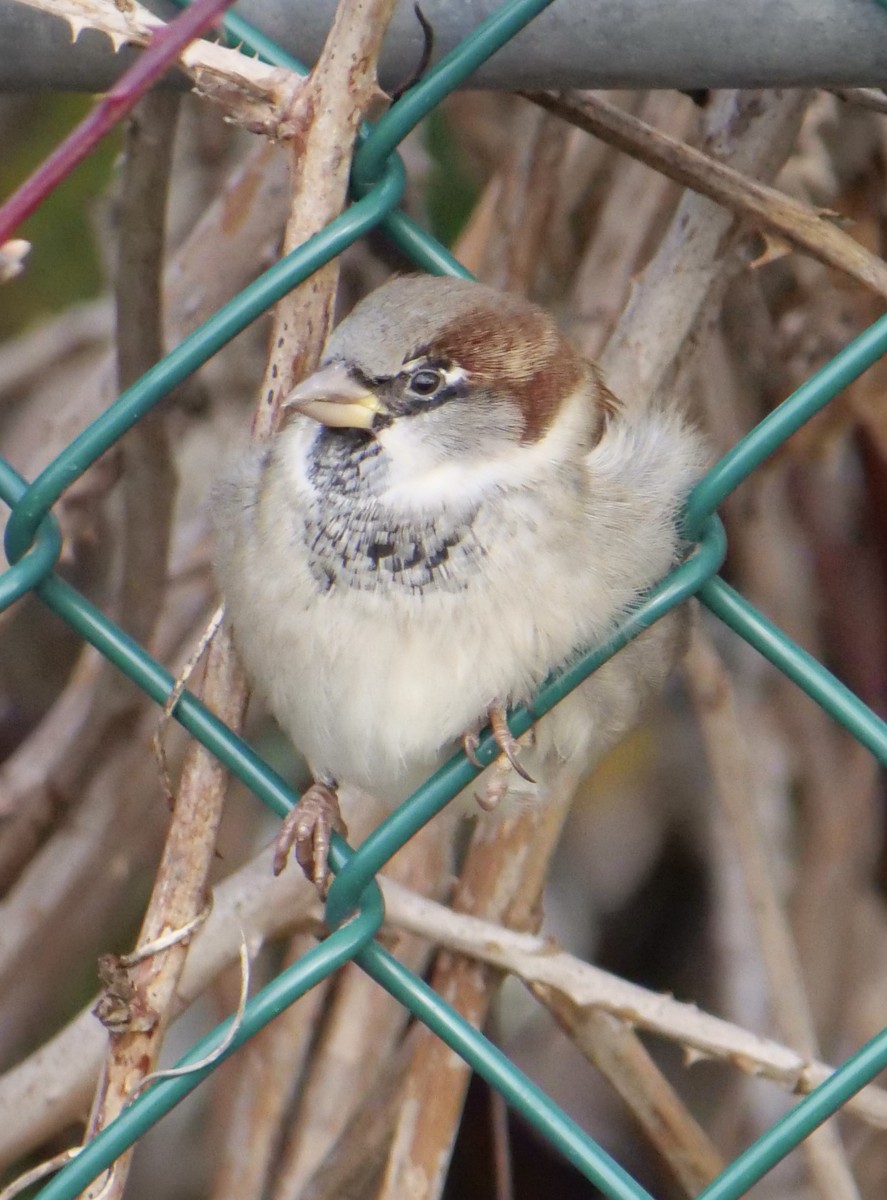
[
  {"x": 51, "y": 770},
  {"x": 322, "y": 118},
  {"x": 615, "y": 253},
  {"x": 35, "y": 1174},
  {"x": 355, "y": 1163},
  {"x": 181, "y": 682},
  {"x": 50, "y": 1089},
  {"x": 218, "y": 1052},
  {"x": 713, "y": 697},
  {"x": 685, "y": 280},
  {"x": 807, "y": 229},
  {"x": 502, "y": 879},
  {"x": 149, "y": 490},
  {"x": 149, "y": 482},
  {"x": 29, "y": 772},
  {"x": 236, "y": 237},
  {"x": 113, "y": 830},
  {"x": 264, "y": 1082},
  {"x": 620, "y": 1056},
  {"x": 178, "y": 896},
  {"x": 525, "y": 187},
  {"x": 873, "y": 99},
  {"x": 503, "y": 1171},
  {"x": 790, "y": 532},
  {"x": 539, "y": 963},
  {"x": 360, "y": 1032}
]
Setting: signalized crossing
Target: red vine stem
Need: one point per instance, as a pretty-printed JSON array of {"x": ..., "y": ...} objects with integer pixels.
[{"x": 165, "y": 46}]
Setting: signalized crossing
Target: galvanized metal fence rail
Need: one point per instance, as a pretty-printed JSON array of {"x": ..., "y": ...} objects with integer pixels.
[
  {"x": 580, "y": 44},
  {"x": 355, "y": 909}
]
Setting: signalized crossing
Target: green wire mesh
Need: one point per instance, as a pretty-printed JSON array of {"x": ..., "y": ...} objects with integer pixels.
[{"x": 355, "y": 908}]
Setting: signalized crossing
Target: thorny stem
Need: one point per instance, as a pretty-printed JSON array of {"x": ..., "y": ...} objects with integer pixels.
[{"x": 166, "y": 45}]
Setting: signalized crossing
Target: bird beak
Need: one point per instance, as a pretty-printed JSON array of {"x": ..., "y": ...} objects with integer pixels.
[{"x": 334, "y": 398}]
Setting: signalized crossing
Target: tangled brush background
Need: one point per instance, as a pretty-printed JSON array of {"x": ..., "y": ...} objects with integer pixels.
[{"x": 730, "y": 852}]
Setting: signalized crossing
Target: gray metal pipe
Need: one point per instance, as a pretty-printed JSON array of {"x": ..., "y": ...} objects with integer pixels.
[{"x": 574, "y": 43}]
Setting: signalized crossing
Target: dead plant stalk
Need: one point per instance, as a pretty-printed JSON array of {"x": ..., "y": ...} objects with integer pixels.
[
  {"x": 340, "y": 94},
  {"x": 809, "y": 230}
]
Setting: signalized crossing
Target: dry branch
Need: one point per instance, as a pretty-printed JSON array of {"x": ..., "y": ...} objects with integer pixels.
[
  {"x": 323, "y": 116},
  {"x": 179, "y": 893},
  {"x": 258, "y": 1088},
  {"x": 874, "y": 99},
  {"x": 621, "y": 1057},
  {"x": 508, "y": 237},
  {"x": 502, "y": 879},
  {"x": 683, "y": 284},
  {"x": 728, "y": 754},
  {"x": 223, "y": 252},
  {"x": 795, "y": 538},
  {"x": 602, "y": 280},
  {"x": 149, "y": 479},
  {"x": 49, "y": 1090},
  {"x": 167, "y": 43},
  {"x": 808, "y": 229},
  {"x": 649, "y": 353},
  {"x": 540, "y": 964},
  {"x": 360, "y": 1033}
]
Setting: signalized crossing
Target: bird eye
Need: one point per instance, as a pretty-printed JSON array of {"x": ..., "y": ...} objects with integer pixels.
[{"x": 425, "y": 381}]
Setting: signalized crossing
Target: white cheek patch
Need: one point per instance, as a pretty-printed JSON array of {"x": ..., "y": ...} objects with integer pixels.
[
  {"x": 443, "y": 486},
  {"x": 418, "y": 478},
  {"x": 420, "y": 481}
]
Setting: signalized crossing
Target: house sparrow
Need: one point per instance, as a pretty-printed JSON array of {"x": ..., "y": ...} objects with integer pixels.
[{"x": 454, "y": 507}]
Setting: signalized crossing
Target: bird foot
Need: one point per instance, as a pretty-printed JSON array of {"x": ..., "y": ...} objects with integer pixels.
[
  {"x": 308, "y": 828},
  {"x": 495, "y": 788},
  {"x": 509, "y": 758}
]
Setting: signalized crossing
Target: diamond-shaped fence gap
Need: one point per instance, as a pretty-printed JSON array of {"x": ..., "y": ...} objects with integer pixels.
[{"x": 806, "y": 335}]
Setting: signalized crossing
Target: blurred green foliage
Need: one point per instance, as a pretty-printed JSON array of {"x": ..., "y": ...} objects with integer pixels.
[
  {"x": 452, "y": 192},
  {"x": 64, "y": 265}
]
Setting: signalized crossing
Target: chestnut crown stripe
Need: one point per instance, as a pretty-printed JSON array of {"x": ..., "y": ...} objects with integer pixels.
[{"x": 495, "y": 352}]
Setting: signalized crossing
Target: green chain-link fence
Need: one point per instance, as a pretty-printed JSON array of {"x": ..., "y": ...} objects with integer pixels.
[{"x": 354, "y": 909}]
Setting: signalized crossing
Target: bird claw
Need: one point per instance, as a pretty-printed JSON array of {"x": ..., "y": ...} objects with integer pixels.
[
  {"x": 470, "y": 743},
  {"x": 307, "y": 828},
  {"x": 508, "y": 743},
  {"x": 509, "y": 751}
]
